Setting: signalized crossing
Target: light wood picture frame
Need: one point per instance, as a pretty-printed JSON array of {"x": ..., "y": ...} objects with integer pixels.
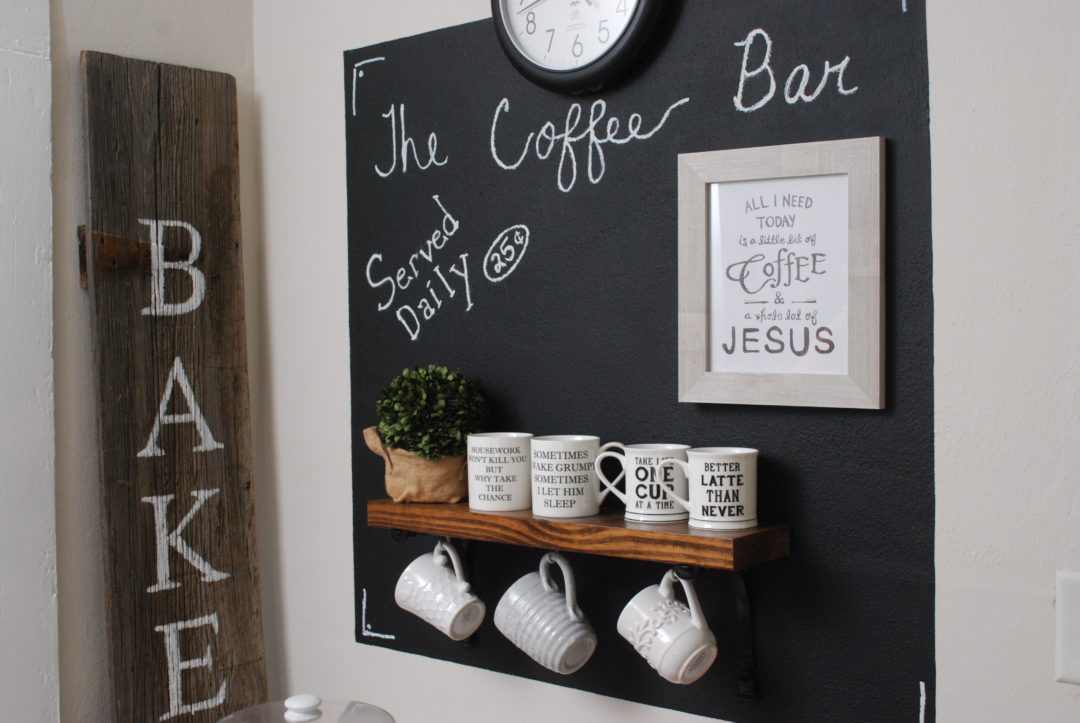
[{"x": 781, "y": 275}]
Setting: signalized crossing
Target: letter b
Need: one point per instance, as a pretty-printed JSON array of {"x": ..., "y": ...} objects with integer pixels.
[{"x": 158, "y": 265}]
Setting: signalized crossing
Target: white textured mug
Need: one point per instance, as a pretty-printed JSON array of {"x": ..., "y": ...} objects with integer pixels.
[
  {"x": 564, "y": 480},
  {"x": 646, "y": 497},
  {"x": 671, "y": 636},
  {"x": 433, "y": 587},
  {"x": 545, "y": 623},
  {"x": 499, "y": 472},
  {"x": 723, "y": 487}
]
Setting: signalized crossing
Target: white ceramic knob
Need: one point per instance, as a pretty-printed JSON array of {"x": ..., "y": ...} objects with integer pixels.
[{"x": 302, "y": 707}]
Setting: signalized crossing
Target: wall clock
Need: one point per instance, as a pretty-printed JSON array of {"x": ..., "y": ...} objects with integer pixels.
[{"x": 573, "y": 46}]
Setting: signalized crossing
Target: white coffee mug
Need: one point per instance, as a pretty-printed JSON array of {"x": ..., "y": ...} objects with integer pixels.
[
  {"x": 723, "y": 487},
  {"x": 546, "y": 624},
  {"x": 433, "y": 587},
  {"x": 672, "y": 637},
  {"x": 499, "y": 471},
  {"x": 564, "y": 480},
  {"x": 646, "y": 497}
]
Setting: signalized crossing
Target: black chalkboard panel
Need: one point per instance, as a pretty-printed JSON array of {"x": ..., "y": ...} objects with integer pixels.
[{"x": 447, "y": 144}]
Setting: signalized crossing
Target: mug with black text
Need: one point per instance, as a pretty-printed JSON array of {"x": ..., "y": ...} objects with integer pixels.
[
  {"x": 722, "y": 487},
  {"x": 499, "y": 475},
  {"x": 564, "y": 481},
  {"x": 646, "y": 497}
]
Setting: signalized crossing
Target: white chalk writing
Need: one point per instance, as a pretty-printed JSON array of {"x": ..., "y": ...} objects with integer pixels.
[
  {"x": 596, "y": 133},
  {"x": 412, "y": 314},
  {"x": 795, "y": 88},
  {"x": 402, "y": 145}
]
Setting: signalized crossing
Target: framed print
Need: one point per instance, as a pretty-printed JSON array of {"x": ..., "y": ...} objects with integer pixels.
[{"x": 780, "y": 275}]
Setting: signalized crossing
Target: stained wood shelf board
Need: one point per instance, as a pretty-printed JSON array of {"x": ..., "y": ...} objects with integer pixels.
[{"x": 605, "y": 534}]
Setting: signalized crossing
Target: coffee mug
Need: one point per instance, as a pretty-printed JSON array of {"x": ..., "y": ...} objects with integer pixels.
[
  {"x": 672, "y": 637},
  {"x": 564, "y": 480},
  {"x": 723, "y": 487},
  {"x": 545, "y": 623},
  {"x": 433, "y": 587},
  {"x": 646, "y": 497},
  {"x": 499, "y": 472}
]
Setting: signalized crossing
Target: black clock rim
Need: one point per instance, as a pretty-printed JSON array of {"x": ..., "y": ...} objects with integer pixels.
[{"x": 593, "y": 76}]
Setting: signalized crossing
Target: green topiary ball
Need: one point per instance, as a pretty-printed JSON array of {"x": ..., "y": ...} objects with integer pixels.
[{"x": 430, "y": 411}]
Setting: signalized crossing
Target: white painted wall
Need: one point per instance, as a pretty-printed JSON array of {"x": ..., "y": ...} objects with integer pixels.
[
  {"x": 211, "y": 34},
  {"x": 28, "y": 617},
  {"x": 1004, "y": 90}
]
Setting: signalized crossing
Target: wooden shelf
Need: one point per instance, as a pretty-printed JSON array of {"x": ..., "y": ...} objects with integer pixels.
[{"x": 606, "y": 534}]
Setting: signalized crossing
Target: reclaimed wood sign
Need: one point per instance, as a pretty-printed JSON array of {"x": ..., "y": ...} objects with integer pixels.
[{"x": 164, "y": 275}]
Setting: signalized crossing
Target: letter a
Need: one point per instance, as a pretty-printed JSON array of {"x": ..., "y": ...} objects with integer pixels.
[
  {"x": 194, "y": 415},
  {"x": 158, "y": 265},
  {"x": 177, "y": 666},
  {"x": 166, "y": 539}
]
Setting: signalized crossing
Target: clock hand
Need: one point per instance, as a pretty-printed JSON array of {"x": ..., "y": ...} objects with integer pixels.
[{"x": 534, "y": 3}]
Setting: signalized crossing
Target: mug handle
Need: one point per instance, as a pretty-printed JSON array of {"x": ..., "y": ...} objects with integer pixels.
[
  {"x": 604, "y": 484},
  {"x": 669, "y": 490},
  {"x": 568, "y": 580},
  {"x": 603, "y": 480},
  {"x": 447, "y": 549},
  {"x": 697, "y": 617}
]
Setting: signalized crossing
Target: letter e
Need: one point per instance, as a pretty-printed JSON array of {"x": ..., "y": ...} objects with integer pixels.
[{"x": 177, "y": 666}]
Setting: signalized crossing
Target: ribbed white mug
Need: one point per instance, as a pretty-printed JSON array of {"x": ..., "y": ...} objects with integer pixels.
[
  {"x": 545, "y": 623},
  {"x": 672, "y": 637},
  {"x": 433, "y": 587}
]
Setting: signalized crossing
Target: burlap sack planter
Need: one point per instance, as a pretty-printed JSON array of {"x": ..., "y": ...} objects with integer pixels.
[{"x": 411, "y": 478}]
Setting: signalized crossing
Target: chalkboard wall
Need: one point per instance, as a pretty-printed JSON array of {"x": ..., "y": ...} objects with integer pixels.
[{"x": 580, "y": 337}]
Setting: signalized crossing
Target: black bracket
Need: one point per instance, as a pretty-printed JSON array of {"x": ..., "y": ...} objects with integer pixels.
[
  {"x": 401, "y": 535},
  {"x": 748, "y": 685},
  {"x": 687, "y": 572}
]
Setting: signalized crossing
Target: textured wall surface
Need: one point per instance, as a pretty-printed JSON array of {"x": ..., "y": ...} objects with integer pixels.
[
  {"x": 582, "y": 338},
  {"x": 28, "y": 609},
  {"x": 1006, "y": 180}
]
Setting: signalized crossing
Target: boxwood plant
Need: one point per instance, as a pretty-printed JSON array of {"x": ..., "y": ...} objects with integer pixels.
[{"x": 430, "y": 411}]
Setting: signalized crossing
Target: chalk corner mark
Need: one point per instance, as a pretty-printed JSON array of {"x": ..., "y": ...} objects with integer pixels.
[
  {"x": 358, "y": 73},
  {"x": 922, "y": 701},
  {"x": 365, "y": 627}
]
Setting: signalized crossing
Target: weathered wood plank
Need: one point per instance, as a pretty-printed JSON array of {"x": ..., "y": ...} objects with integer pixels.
[
  {"x": 170, "y": 351},
  {"x": 606, "y": 534}
]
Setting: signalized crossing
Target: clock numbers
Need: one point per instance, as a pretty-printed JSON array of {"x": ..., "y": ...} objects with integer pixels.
[{"x": 557, "y": 35}]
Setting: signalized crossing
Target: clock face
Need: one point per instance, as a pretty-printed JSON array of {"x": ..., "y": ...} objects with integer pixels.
[{"x": 565, "y": 35}]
